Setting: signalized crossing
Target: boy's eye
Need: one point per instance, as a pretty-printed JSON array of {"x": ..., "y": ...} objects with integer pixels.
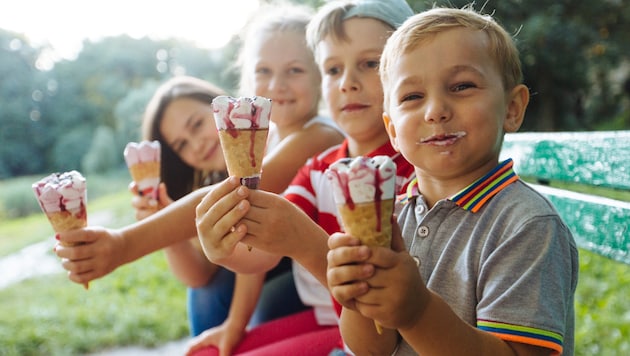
[
  {"x": 262, "y": 71},
  {"x": 332, "y": 71},
  {"x": 463, "y": 86},
  {"x": 372, "y": 64},
  {"x": 411, "y": 97}
]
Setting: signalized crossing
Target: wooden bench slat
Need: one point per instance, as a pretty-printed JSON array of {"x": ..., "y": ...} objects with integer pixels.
[
  {"x": 598, "y": 224},
  {"x": 591, "y": 158}
]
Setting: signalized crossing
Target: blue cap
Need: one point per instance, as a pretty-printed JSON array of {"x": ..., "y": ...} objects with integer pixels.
[{"x": 392, "y": 12}]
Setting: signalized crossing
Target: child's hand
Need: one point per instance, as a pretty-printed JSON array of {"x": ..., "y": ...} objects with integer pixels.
[
  {"x": 348, "y": 270},
  {"x": 222, "y": 337},
  {"x": 380, "y": 283},
  {"x": 218, "y": 219},
  {"x": 145, "y": 205}
]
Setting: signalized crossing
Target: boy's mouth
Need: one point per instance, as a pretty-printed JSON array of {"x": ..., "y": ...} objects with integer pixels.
[
  {"x": 443, "y": 139},
  {"x": 353, "y": 107}
]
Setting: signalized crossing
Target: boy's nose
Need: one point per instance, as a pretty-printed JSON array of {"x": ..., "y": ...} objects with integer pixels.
[
  {"x": 436, "y": 110},
  {"x": 349, "y": 82}
]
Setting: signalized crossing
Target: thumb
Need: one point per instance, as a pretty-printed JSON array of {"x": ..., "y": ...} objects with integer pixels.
[
  {"x": 76, "y": 237},
  {"x": 398, "y": 244},
  {"x": 163, "y": 197}
]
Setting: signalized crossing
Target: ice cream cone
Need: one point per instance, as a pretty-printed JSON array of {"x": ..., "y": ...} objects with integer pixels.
[
  {"x": 364, "y": 190},
  {"x": 243, "y": 151},
  {"x": 143, "y": 160},
  {"x": 63, "y": 198},
  {"x": 371, "y": 222},
  {"x": 243, "y": 125}
]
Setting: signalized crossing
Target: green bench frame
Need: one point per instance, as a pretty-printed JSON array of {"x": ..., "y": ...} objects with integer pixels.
[{"x": 602, "y": 159}]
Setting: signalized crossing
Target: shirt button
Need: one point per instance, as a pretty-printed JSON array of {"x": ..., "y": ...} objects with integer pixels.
[
  {"x": 419, "y": 209},
  {"x": 423, "y": 231}
]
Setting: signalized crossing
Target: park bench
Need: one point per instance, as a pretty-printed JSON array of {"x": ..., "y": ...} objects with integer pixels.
[{"x": 597, "y": 159}]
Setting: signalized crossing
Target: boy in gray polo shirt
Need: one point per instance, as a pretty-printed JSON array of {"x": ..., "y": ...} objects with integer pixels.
[{"x": 487, "y": 266}]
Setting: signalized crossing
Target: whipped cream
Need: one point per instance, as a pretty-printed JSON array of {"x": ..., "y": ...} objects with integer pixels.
[
  {"x": 62, "y": 192},
  {"x": 241, "y": 113},
  {"x": 363, "y": 179},
  {"x": 144, "y": 151}
]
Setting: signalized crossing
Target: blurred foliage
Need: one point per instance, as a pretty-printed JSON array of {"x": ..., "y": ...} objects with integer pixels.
[{"x": 575, "y": 55}]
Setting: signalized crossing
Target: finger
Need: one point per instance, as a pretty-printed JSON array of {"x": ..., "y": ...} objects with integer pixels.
[
  {"x": 163, "y": 196},
  {"x": 348, "y": 273},
  {"x": 346, "y": 294},
  {"x": 133, "y": 188},
  {"x": 217, "y": 192},
  {"x": 223, "y": 218},
  {"x": 77, "y": 266},
  {"x": 83, "y": 278},
  {"x": 398, "y": 244},
  {"x": 339, "y": 239}
]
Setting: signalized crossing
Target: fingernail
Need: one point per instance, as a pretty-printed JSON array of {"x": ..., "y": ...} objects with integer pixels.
[
  {"x": 241, "y": 205},
  {"x": 241, "y": 191}
]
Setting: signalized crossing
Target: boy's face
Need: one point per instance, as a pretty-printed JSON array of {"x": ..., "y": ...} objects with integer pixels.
[
  {"x": 351, "y": 85},
  {"x": 448, "y": 107}
]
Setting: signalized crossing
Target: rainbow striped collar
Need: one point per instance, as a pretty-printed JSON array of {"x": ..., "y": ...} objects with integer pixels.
[{"x": 473, "y": 197}]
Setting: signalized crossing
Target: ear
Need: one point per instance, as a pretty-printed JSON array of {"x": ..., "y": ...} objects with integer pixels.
[
  {"x": 391, "y": 131},
  {"x": 518, "y": 100}
]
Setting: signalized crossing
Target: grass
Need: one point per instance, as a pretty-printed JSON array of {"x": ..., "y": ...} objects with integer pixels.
[
  {"x": 143, "y": 304},
  {"x": 139, "y": 304}
]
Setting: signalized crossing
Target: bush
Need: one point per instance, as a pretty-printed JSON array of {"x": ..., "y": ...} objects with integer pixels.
[{"x": 102, "y": 156}]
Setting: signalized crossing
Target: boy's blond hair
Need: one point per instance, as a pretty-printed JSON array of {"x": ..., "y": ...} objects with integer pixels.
[
  {"x": 330, "y": 17},
  {"x": 425, "y": 25}
]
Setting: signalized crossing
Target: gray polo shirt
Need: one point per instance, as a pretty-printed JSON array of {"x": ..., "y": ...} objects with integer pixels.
[{"x": 510, "y": 268}]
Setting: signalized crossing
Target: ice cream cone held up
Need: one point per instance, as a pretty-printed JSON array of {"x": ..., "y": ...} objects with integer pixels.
[
  {"x": 63, "y": 198},
  {"x": 364, "y": 190},
  {"x": 143, "y": 161},
  {"x": 243, "y": 125}
]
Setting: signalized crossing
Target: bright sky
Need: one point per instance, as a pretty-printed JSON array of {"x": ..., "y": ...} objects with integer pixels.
[{"x": 64, "y": 24}]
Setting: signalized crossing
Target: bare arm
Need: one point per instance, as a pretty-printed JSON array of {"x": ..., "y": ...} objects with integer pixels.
[
  {"x": 282, "y": 163},
  {"x": 101, "y": 250}
]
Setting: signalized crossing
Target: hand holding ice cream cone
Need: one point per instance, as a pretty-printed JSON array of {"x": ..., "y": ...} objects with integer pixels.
[
  {"x": 364, "y": 190},
  {"x": 63, "y": 198}
]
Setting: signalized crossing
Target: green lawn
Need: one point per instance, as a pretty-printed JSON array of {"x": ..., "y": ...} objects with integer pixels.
[{"x": 143, "y": 304}]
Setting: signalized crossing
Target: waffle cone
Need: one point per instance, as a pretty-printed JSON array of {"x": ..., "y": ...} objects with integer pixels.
[
  {"x": 65, "y": 221},
  {"x": 370, "y": 222},
  {"x": 145, "y": 170},
  {"x": 243, "y": 151}
]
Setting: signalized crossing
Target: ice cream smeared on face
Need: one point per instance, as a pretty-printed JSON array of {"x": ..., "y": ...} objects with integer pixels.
[
  {"x": 62, "y": 192},
  {"x": 143, "y": 160},
  {"x": 243, "y": 125}
]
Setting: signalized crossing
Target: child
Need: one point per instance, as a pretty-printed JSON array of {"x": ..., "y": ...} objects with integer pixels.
[
  {"x": 179, "y": 116},
  {"x": 490, "y": 268},
  {"x": 348, "y": 54}
]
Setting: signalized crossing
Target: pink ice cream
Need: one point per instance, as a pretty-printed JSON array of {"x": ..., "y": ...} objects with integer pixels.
[
  {"x": 62, "y": 192},
  {"x": 143, "y": 161}
]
